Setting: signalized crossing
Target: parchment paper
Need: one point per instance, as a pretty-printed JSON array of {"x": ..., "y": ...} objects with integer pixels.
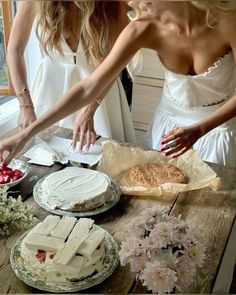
[{"x": 118, "y": 158}]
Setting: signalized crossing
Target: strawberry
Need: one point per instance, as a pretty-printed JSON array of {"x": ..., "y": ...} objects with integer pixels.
[
  {"x": 9, "y": 173},
  {"x": 5, "y": 168},
  {"x": 18, "y": 173},
  {"x": 41, "y": 256},
  {"x": 14, "y": 178},
  {"x": 6, "y": 178},
  {"x": 2, "y": 181}
]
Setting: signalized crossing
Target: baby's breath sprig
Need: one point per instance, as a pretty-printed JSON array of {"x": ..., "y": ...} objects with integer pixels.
[{"x": 14, "y": 214}]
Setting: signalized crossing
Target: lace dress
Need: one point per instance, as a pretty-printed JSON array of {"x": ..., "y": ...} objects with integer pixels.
[
  {"x": 56, "y": 75},
  {"x": 186, "y": 99}
]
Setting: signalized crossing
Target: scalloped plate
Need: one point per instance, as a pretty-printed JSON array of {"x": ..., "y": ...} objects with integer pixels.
[
  {"x": 115, "y": 197},
  {"x": 110, "y": 263}
]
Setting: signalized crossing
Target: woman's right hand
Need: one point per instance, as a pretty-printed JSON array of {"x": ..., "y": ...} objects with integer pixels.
[
  {"x": 13, "y": 145},
  {"x": 26, "y": 117}
]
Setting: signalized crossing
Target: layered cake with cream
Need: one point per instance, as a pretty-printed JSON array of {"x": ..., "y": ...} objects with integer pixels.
[
  {"x": 63, "y": 249},
  {"x": 76, "y": 189}
]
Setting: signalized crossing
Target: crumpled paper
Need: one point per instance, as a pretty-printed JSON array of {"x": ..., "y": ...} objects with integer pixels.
[
  {"x": 118, "y": 158},
  {"x": 58, "y": 149}
]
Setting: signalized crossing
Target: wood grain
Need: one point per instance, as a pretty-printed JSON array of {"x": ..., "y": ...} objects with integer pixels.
[{"x": 211, "y": 214}]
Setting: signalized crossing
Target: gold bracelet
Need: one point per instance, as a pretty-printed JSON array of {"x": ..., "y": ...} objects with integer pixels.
[
  {"x": 98, "y": 101},
  {"x": 19, "y": 94},
  {"x": 26, "y": 105}
]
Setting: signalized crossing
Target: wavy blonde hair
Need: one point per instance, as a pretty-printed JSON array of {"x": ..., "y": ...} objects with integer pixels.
[
  {"x": 98, "y": 21},
  {"x": 212, "y": 7}
]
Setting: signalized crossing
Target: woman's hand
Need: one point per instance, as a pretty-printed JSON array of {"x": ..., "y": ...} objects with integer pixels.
[
  {"x": 26, "y": 117},
  {"x": 13, "y": 145},
  {"x": 83, "y": 127},
  {"x": 179, "y": 140}
]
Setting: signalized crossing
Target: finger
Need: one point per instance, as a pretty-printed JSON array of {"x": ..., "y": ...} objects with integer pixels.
[
  {"x": 9, "y": 157},
  {"x": 179, "y": 153},
  {"x": 82, "y": 141},
  {"x": 172, "y": 135},
  {"x": 1, "y": 157},
  {"x": 173, "y": 144},
  {"x": 88, "y": 137},
  {"x": 75, "y": 138},
  {"x": 174, "y": 150},
  {"x": 93, "y": 136}
]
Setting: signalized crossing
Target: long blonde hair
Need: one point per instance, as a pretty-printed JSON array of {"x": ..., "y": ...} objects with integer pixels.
[{"x": 99, "y": 26}]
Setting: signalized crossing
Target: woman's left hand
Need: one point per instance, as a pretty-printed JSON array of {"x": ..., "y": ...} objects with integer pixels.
[
  {"x": 179, "y": 140},
  {"x": 83, "y": 127}
]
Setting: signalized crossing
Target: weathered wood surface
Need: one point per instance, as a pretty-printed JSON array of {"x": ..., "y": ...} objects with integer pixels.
[{"x": 211, "y": 212}]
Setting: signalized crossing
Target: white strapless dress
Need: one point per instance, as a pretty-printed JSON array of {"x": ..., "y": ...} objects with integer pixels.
[
  {"x": 186, "y": 99},
  {"x": 57, "y": 75}
]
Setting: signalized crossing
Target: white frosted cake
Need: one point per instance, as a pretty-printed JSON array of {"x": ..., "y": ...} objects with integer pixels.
[
  {"x": 63, "y": 249},
  {"x": 76, "y": 189}
]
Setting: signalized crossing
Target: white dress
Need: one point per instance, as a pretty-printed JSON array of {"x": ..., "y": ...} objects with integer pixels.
[
  {"x": 186, "y": 99},
  {"x": 56, "y": 75}
]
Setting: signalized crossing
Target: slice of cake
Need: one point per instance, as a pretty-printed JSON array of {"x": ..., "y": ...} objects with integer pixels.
[
  {"x": 60, "y": 255},
  {"x": 76, "y": 189}
]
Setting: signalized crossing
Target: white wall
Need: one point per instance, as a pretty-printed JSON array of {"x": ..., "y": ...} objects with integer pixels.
[{"x": 10, "y": 110}]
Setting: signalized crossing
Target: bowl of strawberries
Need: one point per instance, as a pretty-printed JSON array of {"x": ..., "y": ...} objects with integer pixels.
[{"x": 13, "y": 173}]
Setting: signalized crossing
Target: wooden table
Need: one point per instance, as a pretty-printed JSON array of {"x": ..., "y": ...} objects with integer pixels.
[{"x": 211, "y": 212}]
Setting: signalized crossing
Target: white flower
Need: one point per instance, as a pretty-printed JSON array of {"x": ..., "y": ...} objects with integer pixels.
[
  {"x": 163, "y": 233},
  {"x": 196, "y": 253},
  {"x": 158, "y": 278},
  {"x": 186, "y": 271},
  {"x": 162, "y": 250},
  {"x": 14, "y": 215},
  {"x": 137, "y": 264},
  {"x": 130, "y": 249}
]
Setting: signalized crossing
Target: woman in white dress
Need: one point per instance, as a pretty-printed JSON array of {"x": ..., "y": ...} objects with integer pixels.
[
  {"x": 67, "y": 29},
  {"x": 187, "y": 99},
  {"x": 196, "y": 42}
]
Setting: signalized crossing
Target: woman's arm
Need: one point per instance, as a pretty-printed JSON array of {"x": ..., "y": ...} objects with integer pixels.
[
  {"x": 179, "y": 140},
  {"x": 18, "y": 40},
  {"x": 132, "y": 38}
]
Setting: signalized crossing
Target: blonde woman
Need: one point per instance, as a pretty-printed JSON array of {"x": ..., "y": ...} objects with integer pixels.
[
  {"x": 75, "y": 36},
  {"x": 196, "y": 43}
]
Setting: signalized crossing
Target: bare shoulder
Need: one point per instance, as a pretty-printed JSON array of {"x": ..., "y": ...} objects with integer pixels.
[{"x": 141, "y": 32}]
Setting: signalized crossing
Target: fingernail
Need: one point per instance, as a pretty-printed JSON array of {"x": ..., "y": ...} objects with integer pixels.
[
  {"x": 167, "y": 154},
  {"x": 87, "y": 148},
  {"x": 162, "y": 149},
  {"x": 163, "y": 142}
]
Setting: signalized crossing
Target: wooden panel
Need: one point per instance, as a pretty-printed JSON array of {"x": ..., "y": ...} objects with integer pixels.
[
  {"x": 151, "y": 66},
  {"x": 145, "y": 100},
  {"x": 140, "y": 136}
]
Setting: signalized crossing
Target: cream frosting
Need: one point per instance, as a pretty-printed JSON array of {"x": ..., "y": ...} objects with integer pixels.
[
  {"x": 67, "y": 258},
  {"x": 76, "y": 189}
]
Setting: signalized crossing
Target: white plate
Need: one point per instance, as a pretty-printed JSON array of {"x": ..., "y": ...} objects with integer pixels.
[
  {"x": 110, "y": 263},
  {"x": 17, "y": 164},
  {"x": 114, "y": 198}
]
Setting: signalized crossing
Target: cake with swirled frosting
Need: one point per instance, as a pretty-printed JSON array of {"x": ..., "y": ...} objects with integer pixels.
[
  {"x": 63, "y": 249},
  {"x": 76, "y": 189}
]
